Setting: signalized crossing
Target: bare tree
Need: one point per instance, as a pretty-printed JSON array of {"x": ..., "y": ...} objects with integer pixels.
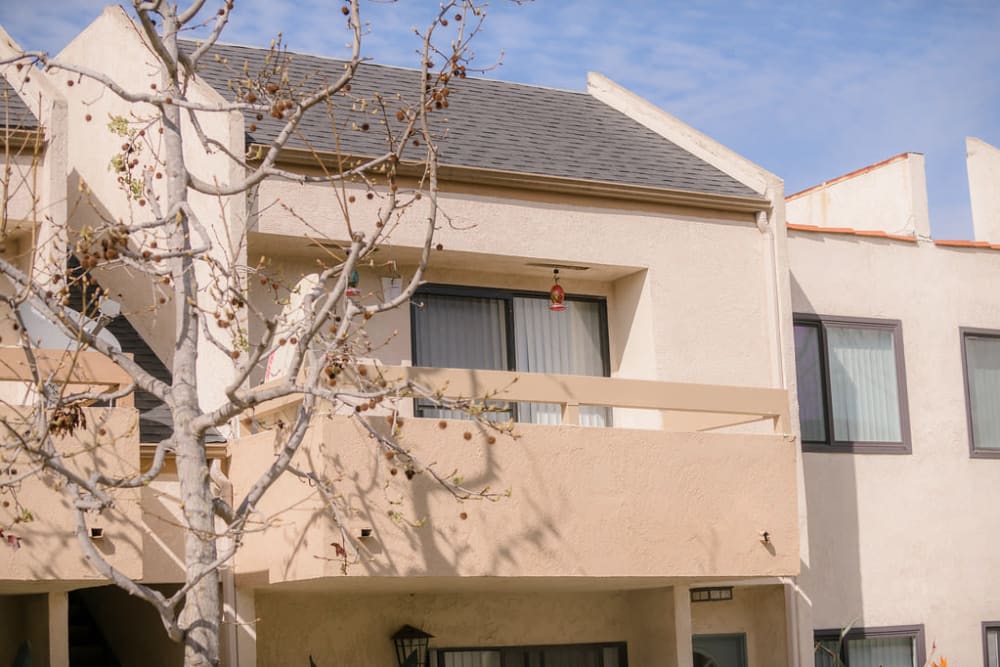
[{"x": 207, "y": 284}]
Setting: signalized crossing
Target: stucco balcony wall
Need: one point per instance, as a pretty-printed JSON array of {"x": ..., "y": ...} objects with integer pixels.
[
  {"x": 583, "y": 502},
  {"x": 49, "y": 548}
]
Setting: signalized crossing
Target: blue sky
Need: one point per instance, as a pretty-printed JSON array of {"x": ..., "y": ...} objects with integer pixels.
[{"x": 809, "y": 90}]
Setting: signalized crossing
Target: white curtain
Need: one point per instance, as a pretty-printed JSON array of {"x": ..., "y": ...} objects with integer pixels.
[
  {"x": 881, "y": 652},
  {"x": 810, "y": 383},
  {"x": 472, "y": 659},
  {"x": 567, "y": 342},
  {"x": 983, "y": 363},
  {"x": 993, "y": 647},
  {"x": 864, "y": 391},
  {"x": 459, "y": 332}
]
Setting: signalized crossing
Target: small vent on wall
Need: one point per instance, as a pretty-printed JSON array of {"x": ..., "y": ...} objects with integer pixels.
[{"x": 712, "y": 594}]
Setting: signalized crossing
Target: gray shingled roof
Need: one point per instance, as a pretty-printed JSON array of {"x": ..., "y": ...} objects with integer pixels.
[
  {"x": 14, "y": 113},
  {"x": 490, "y": 125}
]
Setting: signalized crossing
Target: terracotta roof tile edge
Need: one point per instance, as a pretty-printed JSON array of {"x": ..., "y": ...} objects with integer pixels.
[
  {"x": 849, "y": 175},
  {"x": 958, "y": 243},
  {"x": 855, "y": 232}
]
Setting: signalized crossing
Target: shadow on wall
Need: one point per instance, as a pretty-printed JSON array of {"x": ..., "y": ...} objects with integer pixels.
[
  {"x": 435, "y": 545},
  {"x": 831, "y": 574}
]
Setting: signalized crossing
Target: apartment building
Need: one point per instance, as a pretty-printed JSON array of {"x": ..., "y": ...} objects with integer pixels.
[
  {"x": 896, "y": 357},
  {"x": 653, "y": 514},
  {"x": 738, "y": 438}
]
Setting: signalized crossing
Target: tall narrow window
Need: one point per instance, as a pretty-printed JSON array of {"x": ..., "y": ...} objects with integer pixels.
[
  {"x": 981, "y": 352},
  {"x": 991, "y": 641},
  {"x": 852, "y": 395},
  {"x": 459, "y": 327}
]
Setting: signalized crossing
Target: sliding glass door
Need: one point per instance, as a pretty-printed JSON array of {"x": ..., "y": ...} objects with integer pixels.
[{"x": 455, "y": 327}]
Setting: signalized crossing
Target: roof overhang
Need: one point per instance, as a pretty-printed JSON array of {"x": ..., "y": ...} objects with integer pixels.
[
  {"x": 22, "y": 139},
  {"x": 536, "y": 182}
]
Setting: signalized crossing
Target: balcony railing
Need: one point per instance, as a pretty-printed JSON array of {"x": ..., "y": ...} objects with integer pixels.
[
  {"x": 77, "y": 370},
  {"x": 684, "y": 406},
  {"x": 675, "y": 501}
]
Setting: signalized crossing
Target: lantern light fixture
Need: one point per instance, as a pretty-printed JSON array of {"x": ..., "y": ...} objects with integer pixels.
[
  {"x": 557, "y": 295},
  {"x": 411, "y": 646}
]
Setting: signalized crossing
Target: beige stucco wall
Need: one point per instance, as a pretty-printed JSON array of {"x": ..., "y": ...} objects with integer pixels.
[
  {"x": 49, "y": 545},
  {"x": 757, "y": 611},
  {"x": 347, "y": 629},
  {"x": 687, "y": 260},
  {"x": 983, "y": 165},
  {"x": 35, "y": 172},
  {"x": 897, "y": 540},
  {"x": 111, "y": 44},
  {"x": 890, "y": 196},
  {"x": 583, "y": 503}
]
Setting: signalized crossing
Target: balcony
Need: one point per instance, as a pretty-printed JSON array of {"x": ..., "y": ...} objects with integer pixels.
[
  {"x": 109, "y": 440},
  {"x": 689, "y": 499}
]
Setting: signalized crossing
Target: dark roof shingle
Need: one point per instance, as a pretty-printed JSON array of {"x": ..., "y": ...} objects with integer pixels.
[
  {"x": 488, "y": 125},
  {"x": 14, "y": 113}
]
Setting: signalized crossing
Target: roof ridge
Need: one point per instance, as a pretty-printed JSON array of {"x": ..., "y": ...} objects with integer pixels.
[{"x": 396, "y": 67}]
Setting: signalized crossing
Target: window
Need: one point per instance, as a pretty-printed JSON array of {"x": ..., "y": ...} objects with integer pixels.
[
  {"x": 852, "y": 393},
  {"x": 901, "y": 646},
  {"x": 981, "y": 363},
  {"x": 568, "y": 655},
  {"x": 991, "y": 644},
  {"x": 462, "y": 327}
]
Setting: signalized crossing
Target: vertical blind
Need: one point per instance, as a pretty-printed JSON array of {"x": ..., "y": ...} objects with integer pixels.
[
  {"x": 863, "y": 385},
  {"x": 809, "y": 376},
  {"x": 549, "y": 656},
  {"x": 826, "y": 653},
  {"x": 982, "y": 358},
  {"x": 881, "y": 652},
  {"x": 472, "y": 332},
  {"x": 869, "y": 652},
  {"x": 993, "y": 647},
  {"x": 459, "y": 332},
  {"x": 471, "y": 659}
]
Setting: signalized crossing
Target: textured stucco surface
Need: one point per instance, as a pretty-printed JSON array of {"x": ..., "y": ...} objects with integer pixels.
[
  {"x": 584, "y": 503},
  {"x": 983, "y": 164},
  {"x": 898, "y": 540},
  {"x": 664, "y": 328},
  {"x": 355, "y": 630},
  {"x": 890, "y": 196},
  {"x": 758, "y": 611},
  {"x": 111, "y": 44},
  {"x": 50, "y": 551}
]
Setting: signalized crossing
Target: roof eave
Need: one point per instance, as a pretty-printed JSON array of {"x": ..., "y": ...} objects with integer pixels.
[
  {"x": 543, "y": 182},
  {"x": 21, "y": 138}
]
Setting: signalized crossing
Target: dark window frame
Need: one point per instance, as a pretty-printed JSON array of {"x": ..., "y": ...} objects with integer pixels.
[
  {"x": 508, "y": 296},
  {"x": 965, "y": 332},
  {"x": 830, "y": 444},
  {"x": 621, "y": 646},
  {"x": 914, "y": 631},
  {"x": 987, "y": 626}
]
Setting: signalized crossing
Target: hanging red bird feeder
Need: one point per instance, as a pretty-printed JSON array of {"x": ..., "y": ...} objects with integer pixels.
[{"x": 557, "y": 295}]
